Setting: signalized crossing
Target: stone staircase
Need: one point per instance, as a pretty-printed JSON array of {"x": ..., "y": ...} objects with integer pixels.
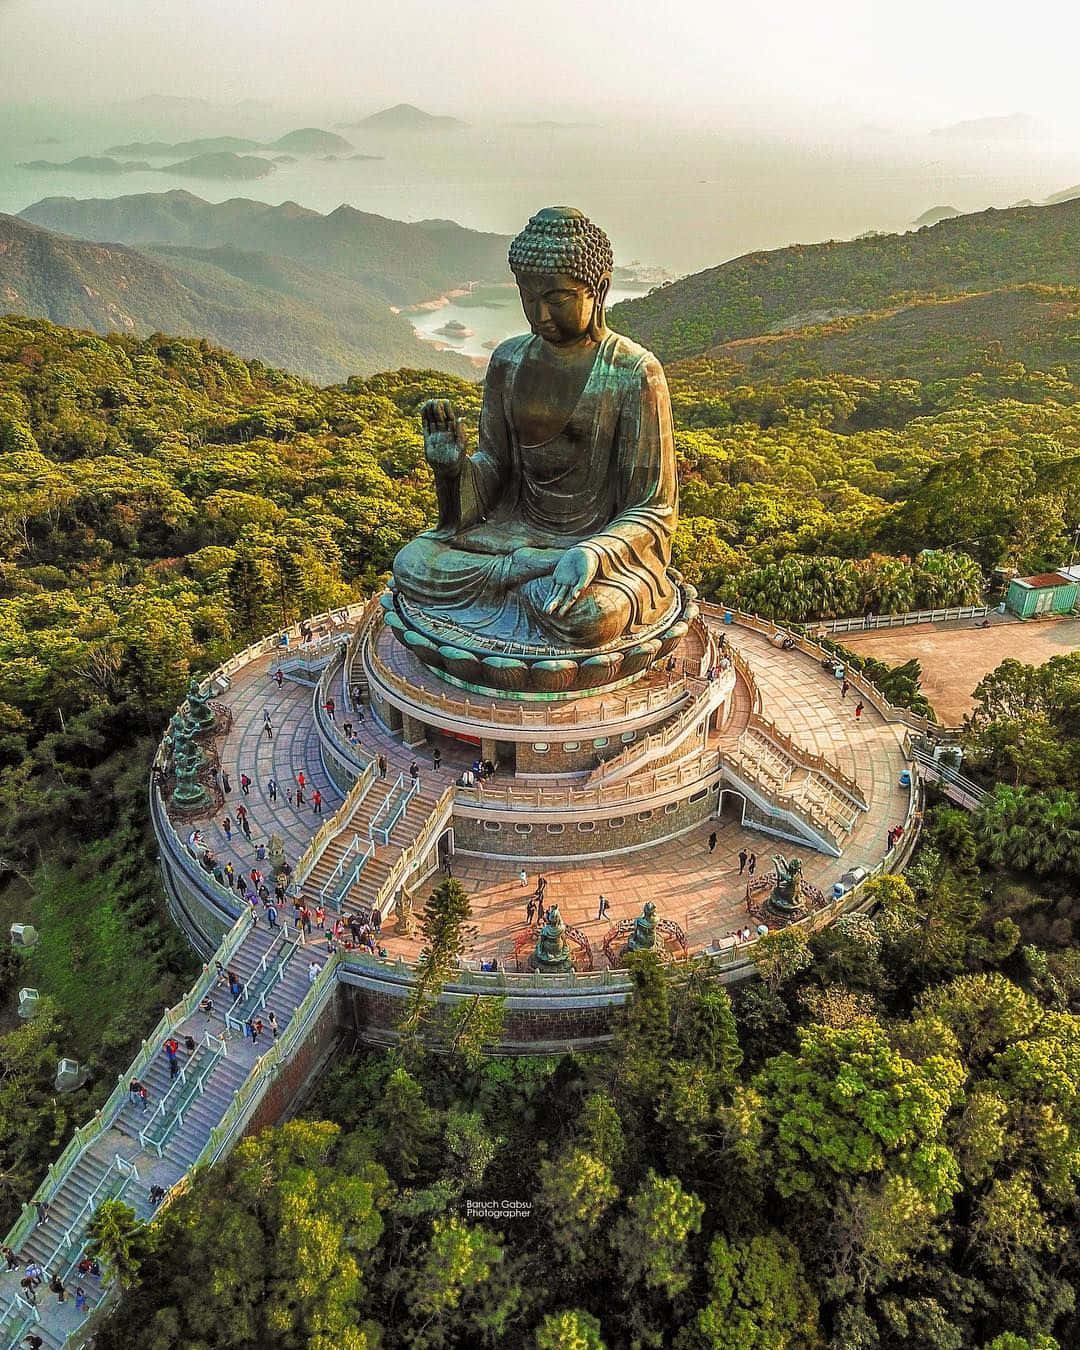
[{"x": 158, "y": 1146}]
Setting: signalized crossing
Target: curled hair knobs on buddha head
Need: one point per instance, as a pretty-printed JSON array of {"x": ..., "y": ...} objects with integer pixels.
[{"x": 563, "y": 239}]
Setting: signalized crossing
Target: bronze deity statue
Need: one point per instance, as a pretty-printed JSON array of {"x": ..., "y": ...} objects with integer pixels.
[
  {"x": 786, "y": 895},
  {"x": 551, "y": 954},
  {"x": 643, "y": 933},
  {"x": 550, "y": 563}
]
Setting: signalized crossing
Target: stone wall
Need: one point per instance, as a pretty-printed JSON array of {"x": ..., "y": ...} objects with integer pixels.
[
  {"x": 290, "y": 1085},
  {"x": 618, "y": 828},
  {"x": 573, "y": 755}
]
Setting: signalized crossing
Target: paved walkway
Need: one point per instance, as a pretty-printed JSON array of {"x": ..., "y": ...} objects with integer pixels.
[{"x": 954, "y": 659}]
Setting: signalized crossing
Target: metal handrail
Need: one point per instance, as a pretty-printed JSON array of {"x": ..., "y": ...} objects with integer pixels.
[
  {"x": 382, "y": 832},
  {"x": 217, "y": 1053},
  {"x": 256, "y": 976}
]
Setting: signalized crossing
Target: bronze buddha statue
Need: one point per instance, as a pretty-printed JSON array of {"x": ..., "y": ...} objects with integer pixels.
[{"x": 554, "y": 536}]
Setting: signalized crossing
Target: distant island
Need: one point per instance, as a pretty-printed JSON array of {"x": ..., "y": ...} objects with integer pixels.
[
  {"x": 404, "y": 117},
  {"x": 304, "y": 141},
  {"x": 88, "y": 164},
  {"x": 225, "y": 165},
  {"x": 935, "y": 214},
  {"x": 1015, "y": 127},
  {"x": 454, "y": 328},
  {"x": 205, "y": 145}
]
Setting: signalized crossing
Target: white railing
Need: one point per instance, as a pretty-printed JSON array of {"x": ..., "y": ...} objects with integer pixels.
[
  {"x": 394, "y": 809},
  {"x": 871, "y": 621},
  {"x": 258, "y": 979},
  {"x": 336, "y": 886},
  {"x": 216, "y": 1046}
]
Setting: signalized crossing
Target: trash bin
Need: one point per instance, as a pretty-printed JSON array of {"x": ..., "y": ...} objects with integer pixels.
[
  {"x": 839, "y": 890},
  {"x": 905, "y": 778},
  {"x": 728, "y": 616}
]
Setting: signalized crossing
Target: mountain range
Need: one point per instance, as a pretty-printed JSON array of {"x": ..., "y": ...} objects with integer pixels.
[
  {"x": 403, "y": 262},
  {"x": 789, "y": 288},
  {"x": 289, "y": 312}
]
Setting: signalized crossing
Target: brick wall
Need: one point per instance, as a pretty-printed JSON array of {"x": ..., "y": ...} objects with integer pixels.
[{"x": 289, "y": 1085}]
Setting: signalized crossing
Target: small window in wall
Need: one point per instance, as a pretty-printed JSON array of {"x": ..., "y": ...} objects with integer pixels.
[
  {"x": 600, "y": 742},
  {"x": 586, "y": 826},
  {"x": 671, "y": 808},
  {"x": 492, "y": 826},
  {"x": 715, "y": 787},
  {"x": 616, "y": 822},
  {"x": 628, "y": 736},
  {"x": 699, "y": 796},
  {"x": 541, "y": 747},
  {"x": 571, "y": 745},
  {"x": 644, "y": 815},
  {"x": 554, "y": 829},
  {"x": 523, "y": 829}
]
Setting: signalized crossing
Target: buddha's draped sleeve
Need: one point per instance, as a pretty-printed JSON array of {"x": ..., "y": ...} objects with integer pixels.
[
  {"x": 487, "y": 475},
  {"x": 635, "y": 549}
]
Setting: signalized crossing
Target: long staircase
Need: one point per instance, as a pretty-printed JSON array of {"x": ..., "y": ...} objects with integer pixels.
[{"x": 127, "y": 1149}]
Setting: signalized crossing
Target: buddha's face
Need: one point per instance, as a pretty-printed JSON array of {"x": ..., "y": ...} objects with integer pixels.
[{"x": 559, "y": 308}]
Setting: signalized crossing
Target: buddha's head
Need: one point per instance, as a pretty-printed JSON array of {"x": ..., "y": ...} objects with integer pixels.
[{"x": 562, "y": 264}]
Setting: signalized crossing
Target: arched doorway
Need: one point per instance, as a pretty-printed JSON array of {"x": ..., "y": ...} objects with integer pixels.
[{"x": 732, "y": 805}]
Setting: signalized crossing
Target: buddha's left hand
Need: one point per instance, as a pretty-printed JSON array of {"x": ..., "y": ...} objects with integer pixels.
[{"x": 576, "y": 569}]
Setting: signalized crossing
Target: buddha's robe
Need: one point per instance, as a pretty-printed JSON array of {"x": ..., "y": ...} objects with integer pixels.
[{"x": 606, "y": 481}]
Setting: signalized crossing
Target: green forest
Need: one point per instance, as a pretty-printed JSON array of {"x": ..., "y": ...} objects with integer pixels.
[{"x": 875, "y": 1145}]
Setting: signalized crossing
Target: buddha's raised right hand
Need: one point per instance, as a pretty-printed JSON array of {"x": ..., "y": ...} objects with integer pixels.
[{"x": 444, "y": 444}]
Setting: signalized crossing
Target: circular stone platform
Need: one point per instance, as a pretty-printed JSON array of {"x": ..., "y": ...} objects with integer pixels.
[{"x": 588, "y": 827}]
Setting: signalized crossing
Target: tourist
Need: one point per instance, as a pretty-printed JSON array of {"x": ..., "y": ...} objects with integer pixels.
[
  {"x": 305, "y": 921},
  {"x": 320, "y": 916},
  {"x": 540, "y": 913},
  {"x": 376, "y": 921},
  {"x": 316, "y": 802},
  {"x": 279, "y": 676},
  {"x": 289, "y": 796},
  {"x": 249, "y": 1029},
  {"x": 328, "y": 934},
  {"x": 541, "y": 887},
  {"x": 226, "y": 786},
  {"x": 9, "y": 1256},
  {"x": 844, "y": 688},
  {"x": 743, "y": 855},
  {"x": 467, "y": 779},
  {"x": 35, "y": 1272},
  {"x": 751, "y": 864},
  {"x": 301, "y": 781},
  {"x": 228, "y": 875},
  {"x": 313, "y": 972},
  {"x": 330, "y": 708},
  {"x": 80, "y": 1299},
  {"x": 245, "y": 784},
  {"x": 489, "y": 769},
  {"x": 299, "y": 795},
  {"x": 270, "y": 1017},
  {"x": 268, "y": 729},
  {"x": 206, "y": 1007},
  {"x": 257, "y": 1030},
  {"x": 347, "y": 729},
  {"x": 414, "y": 772},
  {"x": 858, "y": 711},
  {"x": 56, "y": 1284},
  {"x": 226, "y": 825},
  {"x": 712, "y": 841},
  {"x": 382, "y": 766},
  {"x": 602, "y": 907},
  {"x": 245, "y": 825},
  {"x": 32, "y": 1339},
  {"x": 271, "y": 916},
  {"x": 523, "y": 877},
  {"x": 42, "y": 1207},
  {"x": 271, "y": 789},
  {"x": 241, "y": 887},
  {"x": 28, "y": 1291},
  {"x": 144, "y": 1098},
  {"x": 436, "y": 758},
  {"x": 234, "y": 984},
  {"x": 530, "y": 910},
  {"x": 157, "y": 1194}
]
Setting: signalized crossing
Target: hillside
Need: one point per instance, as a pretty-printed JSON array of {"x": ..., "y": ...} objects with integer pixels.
[
  {"x": 204, "y": 145},
  {"x": 405, "y": 263},
  {"x": 87, "y": 164},
  {"x": 1038, "y": 326},
  {"x": 790, "y": 287},
  {"x": 285, "y": 313},
  {"x": 310, "y": 141}
]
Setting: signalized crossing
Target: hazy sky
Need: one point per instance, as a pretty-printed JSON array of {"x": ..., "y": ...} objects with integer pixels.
[{"x": 901, "y": 61}]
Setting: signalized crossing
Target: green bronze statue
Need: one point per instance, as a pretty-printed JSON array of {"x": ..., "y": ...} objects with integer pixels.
[
  {"x": 643, "y": 935},
  {"x": 786, "y": 896},
  {"x": 552, "y": 952},
  {"x": 555, "y": 533},
  {"x": 200, "y": 712}
]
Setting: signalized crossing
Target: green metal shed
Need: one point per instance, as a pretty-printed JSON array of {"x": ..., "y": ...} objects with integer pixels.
[{"x": 1048, "y": 593}]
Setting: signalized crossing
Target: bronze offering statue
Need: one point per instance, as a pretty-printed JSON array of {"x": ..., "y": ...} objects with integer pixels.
[
  {"x": 552, "y": 952},
  {"x": 643, "y": 934},
  {"x": 786, "y": 896},
  {"x": 553, "y": 545}
]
